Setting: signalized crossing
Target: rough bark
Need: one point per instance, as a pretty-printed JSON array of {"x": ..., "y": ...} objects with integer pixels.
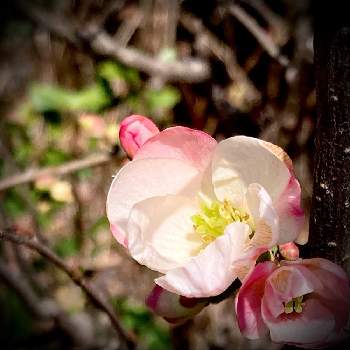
[{"x": 330, "y": 213}]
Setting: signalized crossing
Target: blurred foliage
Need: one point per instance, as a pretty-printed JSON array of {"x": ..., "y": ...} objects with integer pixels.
[{"x": 152, "y": 334}]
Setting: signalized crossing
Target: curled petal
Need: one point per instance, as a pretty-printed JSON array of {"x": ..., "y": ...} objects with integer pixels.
[
  {"x": 248, "y": 301},
  {"x": 172, "y": 307},
  {"x": 192, "y": 146},
  {"x": 264, "y": 216},
  {"x": 212, "y": 271},
  {"x": 291, "y": 215},
  {"x": 134, "y": 131}
]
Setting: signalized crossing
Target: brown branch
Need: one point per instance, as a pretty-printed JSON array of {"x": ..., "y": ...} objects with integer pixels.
[
  {"x": 224, "y": 53},
  {"x": 64, "y": 169},
  {"x": 75, "y": 275},
  {"x": 187, "y": 70},
  {"x": 263, "y": 38}
]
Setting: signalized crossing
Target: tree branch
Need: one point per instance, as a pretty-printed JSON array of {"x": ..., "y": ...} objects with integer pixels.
[
  {"x": 75, "y": 275},
  {"x": 189, "y": 70},
  {"x": 64, "y": 169},
  {"x": 259, "y": 33}
]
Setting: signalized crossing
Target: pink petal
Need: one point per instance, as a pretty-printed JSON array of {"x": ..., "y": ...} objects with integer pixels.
[
  {"x": 161, "y": 234},
  {"x": 119, "y": 235},
  {"x": 284, "y": 284},
  {"x": 310, "y": 328},
  {"x": 212, "y": 271},
  {"x": 334, "y": 292},
  {"x": 172, "y": 307},
  {"x": 248, "y": 301},
  {"x": 290, "y": 213},
  {"x": 189, "y": 145},
  {"x": 134, "y": 131},
  {"x": 146, "y": 178}
]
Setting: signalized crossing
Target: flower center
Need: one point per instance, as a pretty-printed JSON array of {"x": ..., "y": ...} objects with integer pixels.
[
  {"x": 294, "y": 305},
  {"x": 213, "y": 218}
]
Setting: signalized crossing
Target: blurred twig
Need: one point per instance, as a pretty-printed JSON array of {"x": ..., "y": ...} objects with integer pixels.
[
  {"x": 189, "y": 70},
  {"x": 259, "y": 33},
  {"x": 224, "y": 53},
  {"x": 75, "y": 274},
  {"x": 66, "y": 168}
]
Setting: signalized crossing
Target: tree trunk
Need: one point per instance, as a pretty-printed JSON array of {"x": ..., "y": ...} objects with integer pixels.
[{"x": 330, "y": 212}]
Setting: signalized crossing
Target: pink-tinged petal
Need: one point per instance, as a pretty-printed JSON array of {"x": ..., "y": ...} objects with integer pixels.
[
  {"x": 161, "y": 234},
  {"x": 248, "y": 301},
  {"x": 189, "y": 145},
  {"x": 211, "y": 272},
  {"x": 172, "y": 307},
  {"x": 283, "y": 285},
  {"x": 310, "y": 328},
  {"x": 291, "y": 215},
  {"x": 264, "y": 216},
  {"x": 289, "y": 251},
  {"x": 134, "y": 131},
  {"x": 146, "y": 178},
  {"x": 119, "y": 235},
  {"x": 240, "y": 161},
  {"x": 335, "y": 289}
]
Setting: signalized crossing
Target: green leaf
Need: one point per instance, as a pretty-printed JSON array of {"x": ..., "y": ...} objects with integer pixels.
[
  {"x": 111, "y": 70},
  {"x": 165, "y": 98},
  {"x": 48, "y": 98},
  {"x": 54, "y": 157},
  {"x": 13, "y": 203},
  {"x": 152, "y": 335},
  {"x": 66, "y": 247}
]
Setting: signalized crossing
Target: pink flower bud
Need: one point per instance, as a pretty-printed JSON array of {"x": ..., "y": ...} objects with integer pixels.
[
  {"x": 289, "y": 251},
  {"x": 134, "y": 131},
  {"x": 172, "y": 307}
]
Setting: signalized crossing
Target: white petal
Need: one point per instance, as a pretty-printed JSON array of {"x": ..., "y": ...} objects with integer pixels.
[
  {"x": 145, "y": 178},
  {"x": 161, "y": 234},
  {"x": 264, "y": 216},
  {"x": 240, "y": 161},
  {"x": 212, "y": 271}
]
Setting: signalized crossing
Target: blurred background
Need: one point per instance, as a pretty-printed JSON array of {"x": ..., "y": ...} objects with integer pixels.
[{"x": 70, "y": 71}]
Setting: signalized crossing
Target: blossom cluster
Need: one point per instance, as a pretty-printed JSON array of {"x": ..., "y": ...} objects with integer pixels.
[{"x": 210, "y": 216}]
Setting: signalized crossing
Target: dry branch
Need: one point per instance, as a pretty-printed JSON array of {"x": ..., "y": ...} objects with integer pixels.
[
  {"x": 189, "y": 70},
  {"x": 64, "y": 169},
  {"x": 259, "y": 33},
  {"x": 75, "y": 275}
]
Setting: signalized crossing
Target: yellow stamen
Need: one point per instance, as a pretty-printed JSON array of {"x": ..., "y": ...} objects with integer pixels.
[
  {"x": 213, "y": 218},
  {"x": 294, "y": 305}
]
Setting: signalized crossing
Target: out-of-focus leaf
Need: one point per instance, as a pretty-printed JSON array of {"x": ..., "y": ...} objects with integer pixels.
[
  {"x": 101, "y": 223},
  {"x": 48, "y": 98},
  {"x": 165, "y": 98},
  {"x": 111, "y": 70},
  {"x": 66, "y": 247},
  {"x": 54, "y": 157},
  {"x": 13, "y": 204},
  {"x": 152, "y": 334}
]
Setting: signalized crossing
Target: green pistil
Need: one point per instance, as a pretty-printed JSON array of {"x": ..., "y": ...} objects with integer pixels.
[
  {"x": 212, "y": 220},
  {"x": 294, "y": 305}
]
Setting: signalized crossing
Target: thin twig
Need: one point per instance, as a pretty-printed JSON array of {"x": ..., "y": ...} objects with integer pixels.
[
  {"x": 75, "y": 275},
  {"x": 259, "y": 33},
  {"x": 187, "y": 70},
  {"x": 64, "y": 169},
  {"x": 224, "y": 53}
]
